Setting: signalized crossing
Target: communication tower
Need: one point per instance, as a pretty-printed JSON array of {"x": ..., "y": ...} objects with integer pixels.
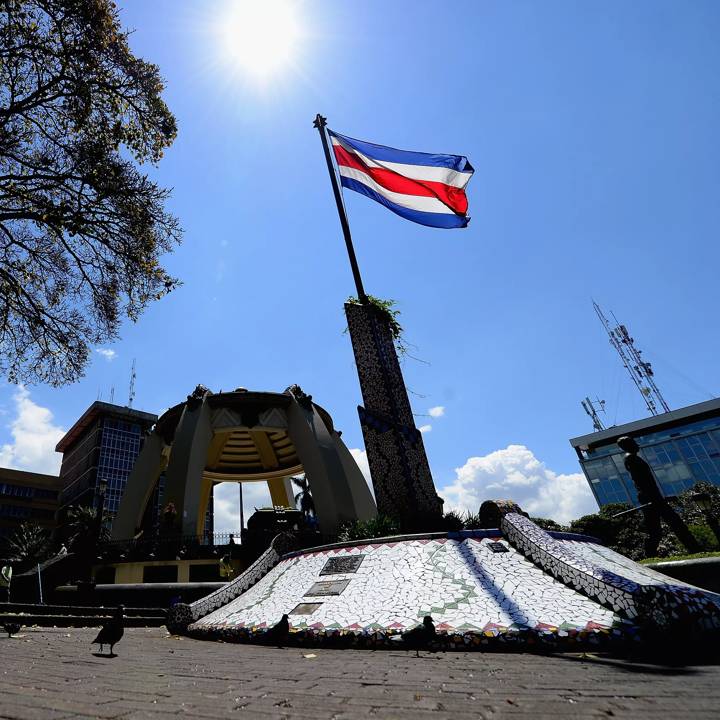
[
  {"x": 132, "y": 385},
  {"x": 640, "y": 371},
  {"x": 589, "y": 408}
]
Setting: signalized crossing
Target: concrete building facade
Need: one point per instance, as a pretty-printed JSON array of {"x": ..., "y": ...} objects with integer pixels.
[{"x": 27, "y": 497}]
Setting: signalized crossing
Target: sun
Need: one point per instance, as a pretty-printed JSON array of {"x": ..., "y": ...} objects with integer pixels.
[{"x": 260, "y": 36}]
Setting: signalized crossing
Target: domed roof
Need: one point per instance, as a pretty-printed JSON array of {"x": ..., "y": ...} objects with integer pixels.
[{"x": 249, "y": 440}]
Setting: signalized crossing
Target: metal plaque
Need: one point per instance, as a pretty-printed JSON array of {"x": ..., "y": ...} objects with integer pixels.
[
  {"x": 305, "y": 608},
  {"x": 339, "y": 565},
  {"x": 497, "y": 547},
  {"x": 327, "y": 587}
]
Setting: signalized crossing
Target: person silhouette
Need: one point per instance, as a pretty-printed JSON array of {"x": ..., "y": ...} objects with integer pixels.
[{"x": 656, "y": 506}]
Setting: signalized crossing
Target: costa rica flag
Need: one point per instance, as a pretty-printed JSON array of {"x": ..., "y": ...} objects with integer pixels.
[{"x": 423, "y": 187}]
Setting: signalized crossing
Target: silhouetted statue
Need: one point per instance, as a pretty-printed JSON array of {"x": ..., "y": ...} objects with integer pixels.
[{"x": 649, "y": 494}]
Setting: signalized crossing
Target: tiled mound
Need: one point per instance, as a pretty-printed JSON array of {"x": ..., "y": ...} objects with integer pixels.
[
  {"x": 519, "y": 586},
  {"x": 477, "y": 589}
]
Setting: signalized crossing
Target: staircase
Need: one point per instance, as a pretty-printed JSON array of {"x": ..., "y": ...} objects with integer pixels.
[{"x": 76, "y": 616}]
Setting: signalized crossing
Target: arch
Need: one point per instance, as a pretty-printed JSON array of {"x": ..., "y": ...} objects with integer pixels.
[{"x": 245, "y": 437}]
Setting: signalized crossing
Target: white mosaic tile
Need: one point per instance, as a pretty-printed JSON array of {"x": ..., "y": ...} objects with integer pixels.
[
  {"x": 543, "y": 583},
  {"x": 462, "y": 584}
]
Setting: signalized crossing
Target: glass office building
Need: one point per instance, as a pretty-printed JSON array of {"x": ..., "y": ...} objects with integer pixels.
[
  {"x": 101, "y": 446},
  {"x": 682, "y": 447}
]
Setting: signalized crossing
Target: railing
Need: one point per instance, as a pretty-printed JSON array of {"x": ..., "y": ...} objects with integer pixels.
[
  {"x": 199, "y": 547},
  {"x": 166, "y": 547}
]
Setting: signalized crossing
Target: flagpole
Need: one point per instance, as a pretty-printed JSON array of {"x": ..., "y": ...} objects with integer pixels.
[{"x": 320, "y": 123}]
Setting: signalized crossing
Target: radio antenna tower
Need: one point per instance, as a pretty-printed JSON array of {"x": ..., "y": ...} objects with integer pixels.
[
  {"x": 589, "y": 408},
  {"x": 640, "y": 371},
  {"x": 132, "y": 385}
]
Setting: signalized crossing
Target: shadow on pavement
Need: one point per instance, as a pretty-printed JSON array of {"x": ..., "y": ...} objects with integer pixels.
[{"x": 638, "y": 665}]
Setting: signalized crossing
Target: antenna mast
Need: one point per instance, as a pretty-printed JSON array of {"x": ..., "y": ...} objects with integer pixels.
[
  {"x": 640, "y": 371},
  {"x": 132, "y": 385},
  {"x": 589, "y": 408}
]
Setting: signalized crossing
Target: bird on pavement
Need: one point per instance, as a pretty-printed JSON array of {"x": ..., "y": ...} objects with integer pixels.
[
  {"x": 420, "y": 637},
  {"x": 279, "y": 632},
  {"x": 11, "y": 628},
  {"x": 111, "y": 631}
]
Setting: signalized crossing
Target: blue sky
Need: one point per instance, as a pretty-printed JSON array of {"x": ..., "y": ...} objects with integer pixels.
[{"x": 592, "y": 128}]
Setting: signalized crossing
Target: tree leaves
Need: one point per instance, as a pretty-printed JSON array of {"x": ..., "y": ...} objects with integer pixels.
[{"x": 81, "y": 228}]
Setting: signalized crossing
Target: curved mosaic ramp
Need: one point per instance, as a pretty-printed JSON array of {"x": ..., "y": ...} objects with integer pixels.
[
  {"x": 519, "y": 585},
  {"x": 638, "y": 593}
]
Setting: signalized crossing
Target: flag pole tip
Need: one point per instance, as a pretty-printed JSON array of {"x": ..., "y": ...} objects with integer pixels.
[{"x": 320, "y": 121}]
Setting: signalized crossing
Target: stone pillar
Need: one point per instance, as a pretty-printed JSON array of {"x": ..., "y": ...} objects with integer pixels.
[
  {"x": 279, "y": 493},
  {"x": 403, "y": 484},
  {"x": 188, "y": 457},
  {"x": 362, "y": 498},
  {"x": 316, "y": 447}
]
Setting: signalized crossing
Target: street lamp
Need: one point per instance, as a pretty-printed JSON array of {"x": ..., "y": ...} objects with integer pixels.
[{"x": 704, "y": 501}]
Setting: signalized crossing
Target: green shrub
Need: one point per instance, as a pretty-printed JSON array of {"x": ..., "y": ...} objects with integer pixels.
[
  {"x": 452, "y": 521},
  {"x": 379, "y": 526},
  {"x": 705, "y": 537}
]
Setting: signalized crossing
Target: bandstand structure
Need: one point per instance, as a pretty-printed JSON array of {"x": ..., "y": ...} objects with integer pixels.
[{"x": 244, "y": 436}]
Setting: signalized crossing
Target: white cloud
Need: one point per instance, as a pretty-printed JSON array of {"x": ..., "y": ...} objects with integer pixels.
[
  {"x": 437, "y": 411},
  {"x": 34, "y": 438},
  {"x": 227, "y": 503},
  {"x": 107, "y": 353},
  {"x": 516, "y": 474},
  {"x": 425, "y": 428}
]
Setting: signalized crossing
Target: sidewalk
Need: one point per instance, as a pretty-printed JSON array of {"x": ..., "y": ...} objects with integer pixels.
[{"x": 49, "y": 674}]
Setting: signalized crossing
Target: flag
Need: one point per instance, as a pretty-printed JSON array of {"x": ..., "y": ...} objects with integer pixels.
[{"x": 425, "y": 188}]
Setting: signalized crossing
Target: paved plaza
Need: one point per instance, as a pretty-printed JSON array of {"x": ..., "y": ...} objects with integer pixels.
[{"x": 48, "y": 674}]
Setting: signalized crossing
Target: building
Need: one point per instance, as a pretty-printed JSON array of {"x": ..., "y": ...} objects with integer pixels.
[
  {"x": 101, "y": 446},
  {"x": 27, "y": 497},
  {"x": 681, "y": 446}
]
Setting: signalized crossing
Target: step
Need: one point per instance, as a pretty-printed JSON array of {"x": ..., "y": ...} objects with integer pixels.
[
  {"x": 76, "y": 620},
  {"x": 70, "y": 610}
]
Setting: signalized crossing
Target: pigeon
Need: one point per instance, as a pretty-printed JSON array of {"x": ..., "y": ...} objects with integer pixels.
[
  {"x": 278, "y": 633},
  {"x": 111, "y": 631},
  {"x": 420, "y": 637},
  {"x": 12, "y": 628}
]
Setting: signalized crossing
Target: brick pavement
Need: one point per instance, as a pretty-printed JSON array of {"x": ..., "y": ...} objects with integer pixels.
[{"x": 51, "y": 674}]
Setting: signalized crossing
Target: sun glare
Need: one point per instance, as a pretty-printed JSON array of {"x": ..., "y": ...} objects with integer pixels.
[{"x": 261, "y": 36}]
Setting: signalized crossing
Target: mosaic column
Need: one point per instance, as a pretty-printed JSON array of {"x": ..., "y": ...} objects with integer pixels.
[{"x": 399, "y": 469}]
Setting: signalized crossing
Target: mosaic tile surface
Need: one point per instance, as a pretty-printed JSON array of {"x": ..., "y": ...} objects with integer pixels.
[
  {"x": 541, "y": 589},
  {"x": 616, "y": 582},
  {"x": 463, "y": 584}
]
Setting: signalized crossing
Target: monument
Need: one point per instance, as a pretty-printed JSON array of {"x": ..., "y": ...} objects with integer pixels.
[
  {"x": 244, "y": 436},
  {"x": 399, "y": 468},
  {"x": 514, "y": 585},
  {"x": 653, "y": 504}
]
